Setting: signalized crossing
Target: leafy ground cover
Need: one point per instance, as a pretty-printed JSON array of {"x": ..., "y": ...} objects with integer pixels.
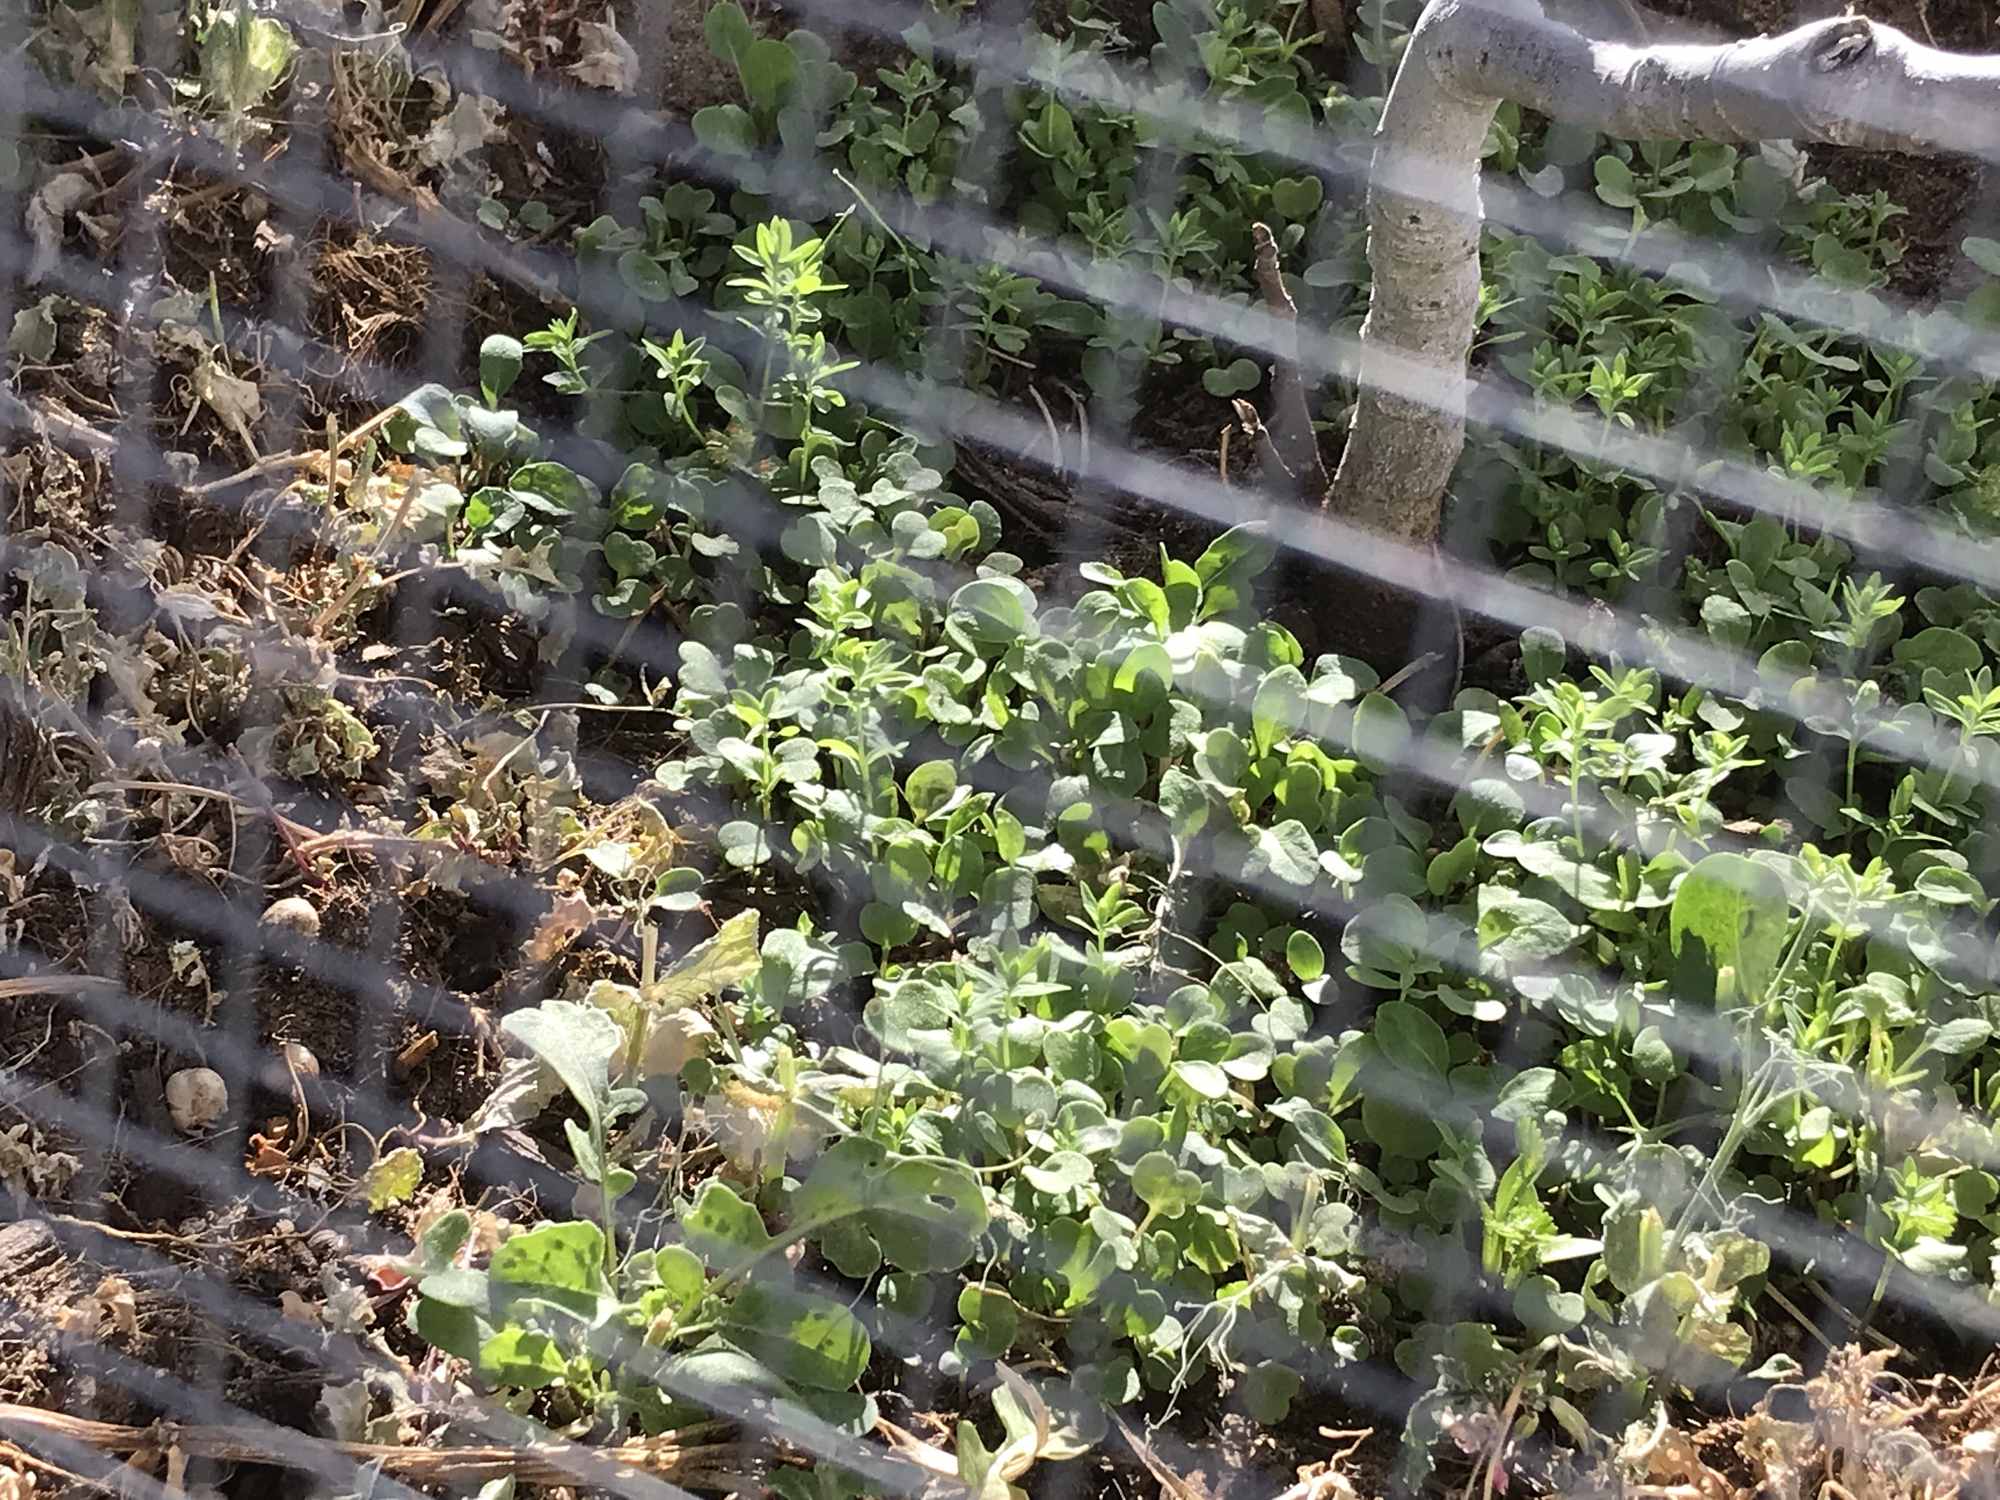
[{"x": 785, "y": 935}]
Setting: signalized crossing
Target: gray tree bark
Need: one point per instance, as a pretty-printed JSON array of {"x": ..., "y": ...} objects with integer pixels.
[{"x": 1847, "y": 81}]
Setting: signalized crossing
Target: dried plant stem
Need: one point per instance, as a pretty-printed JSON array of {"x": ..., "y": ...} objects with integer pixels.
[{"x": 707, "y": 1465}]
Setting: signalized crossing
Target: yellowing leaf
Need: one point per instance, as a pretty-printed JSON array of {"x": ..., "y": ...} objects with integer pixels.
[
  {"x": 673, "y": 1041},
  {"x": 393, "y": 1179},
  {"x": 242, "y": 58},
  {"x": 728, "y": 959}
]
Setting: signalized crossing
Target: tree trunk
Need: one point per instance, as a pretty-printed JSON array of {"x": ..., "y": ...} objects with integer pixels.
[{"x": 1847, "y": 81}]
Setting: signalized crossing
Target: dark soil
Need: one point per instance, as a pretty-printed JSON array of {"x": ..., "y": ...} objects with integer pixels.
[{"x": 1942, "y": 194}]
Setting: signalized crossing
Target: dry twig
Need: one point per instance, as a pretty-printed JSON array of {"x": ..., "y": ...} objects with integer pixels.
[{"x": 706, "y": 1465}]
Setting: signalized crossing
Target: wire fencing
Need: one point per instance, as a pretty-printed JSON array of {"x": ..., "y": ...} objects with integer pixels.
[{"x": 260, "y": 649}]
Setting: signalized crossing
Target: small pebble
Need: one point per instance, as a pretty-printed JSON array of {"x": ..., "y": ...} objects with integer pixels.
[
  {"x": 196, "y": 1098},
  {"x": 293, "y": 914}
]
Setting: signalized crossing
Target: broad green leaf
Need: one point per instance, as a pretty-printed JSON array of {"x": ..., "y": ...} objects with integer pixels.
[
  {"x": 1279, "y": 709},
  {"x": 900, "y": 1015},
  {"x": 1486, "y": 806},
  {"x": 443, "y": 1240},
  {"x": 1389, "y": 935},
  {"x": 1736, "y": 908},
  {"x": 1268, "y": 1391},
  {"x": 1982, "y": 252},
  {"x": 1381, "y": 732},
  {"x": 726, "y": 129},
  {"x": 680, "y": 1274},
  {"x": 1615, "y": 184},
  {"x": 925, "y": 1215},
  {"x": 459, "y": 1331},
  {"x": 718, "y": 1379},
  {"x": 1061, "y": 1172},
  {"x": 1453, "y": 865},
  {"x": 1234, "y": 548},
  {"x": 1583, "y": 883},
  {"x": 1545, "y": 1308},
  {"x": 727, "y": 30},
  {"x": 500, "y": 358},
  {"x": 1286, "y": 853},
  {"x": 807, "y": 1339},
  {"x": 1395, "y": 1118},
  {"x": 1543, "y": 651},
  {"x": 1411, "y": 1039},
  {"x": 1304, "y": 956},
  {"x": 553, "y": 489},
  {"x": 1517, "y": 930},
  {"x": 1960, "y": 1037},
  {"x": 722, "y": 1229},
  {"x": 929, "y": 787},
  {"x": 995, "y": 611},
  {"x": 1940, "y": 648},
  {"x": 1185, "y": 801},
  {"x": 1727, "y": 1259},
  {"x": 575, "y": 1042},
  {"x": 458, "y": 1286},
  {"x": 992, "y": 1318},
  {"x": 1635, "y": 1246},
  {"x": 243, "y": 57},
  {"x": 561, "y": 1263},
  {"x": 1205, "y": 1079},
  {"x": 1232, "y": 379},
  {"x": 520, "y": 1357},
  {"x": 1164, "y": 1187},
  {"x": 1146, "y": 674},
  {"x": 768, "y": 67}
]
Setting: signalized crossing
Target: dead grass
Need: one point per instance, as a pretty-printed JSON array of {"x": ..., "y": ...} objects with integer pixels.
[{"x": 1855, "y": 1431}]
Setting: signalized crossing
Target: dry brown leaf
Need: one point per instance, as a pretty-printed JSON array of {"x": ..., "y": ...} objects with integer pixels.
[
  {"x": 608, "y": 61},
  {"x": 47, "y": 218},
  {"x": 673, "y": 1041},
  {"x": 567, "y": 916},
  {"x": 1675, "y": 1460},
  {"x": 120, "y": 1303},
  {"x": 237, "y": 401},
  {"x": 470, "y": 125},
  {"x": 112, "y": 1301},
  {"x": 415, "y": 1052}
]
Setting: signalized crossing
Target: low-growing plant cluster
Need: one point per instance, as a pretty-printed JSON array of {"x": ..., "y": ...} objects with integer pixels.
[
  {"x": 1221, "y": 1050},
  {"x": 1222, "y": 1027},
  {"x": 1123, "y": 1002}
]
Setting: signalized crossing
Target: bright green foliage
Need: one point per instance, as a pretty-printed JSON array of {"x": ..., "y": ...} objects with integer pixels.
[{"x": 1202, "y": 1045}]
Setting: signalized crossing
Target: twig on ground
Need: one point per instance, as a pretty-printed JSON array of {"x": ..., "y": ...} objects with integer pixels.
[
  {"x": 56, "y": 984},
  {"x": 67, "y": 432},
  {"x": 709, "y": 1465},
  {"x": 1175, "y": 1487}
]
